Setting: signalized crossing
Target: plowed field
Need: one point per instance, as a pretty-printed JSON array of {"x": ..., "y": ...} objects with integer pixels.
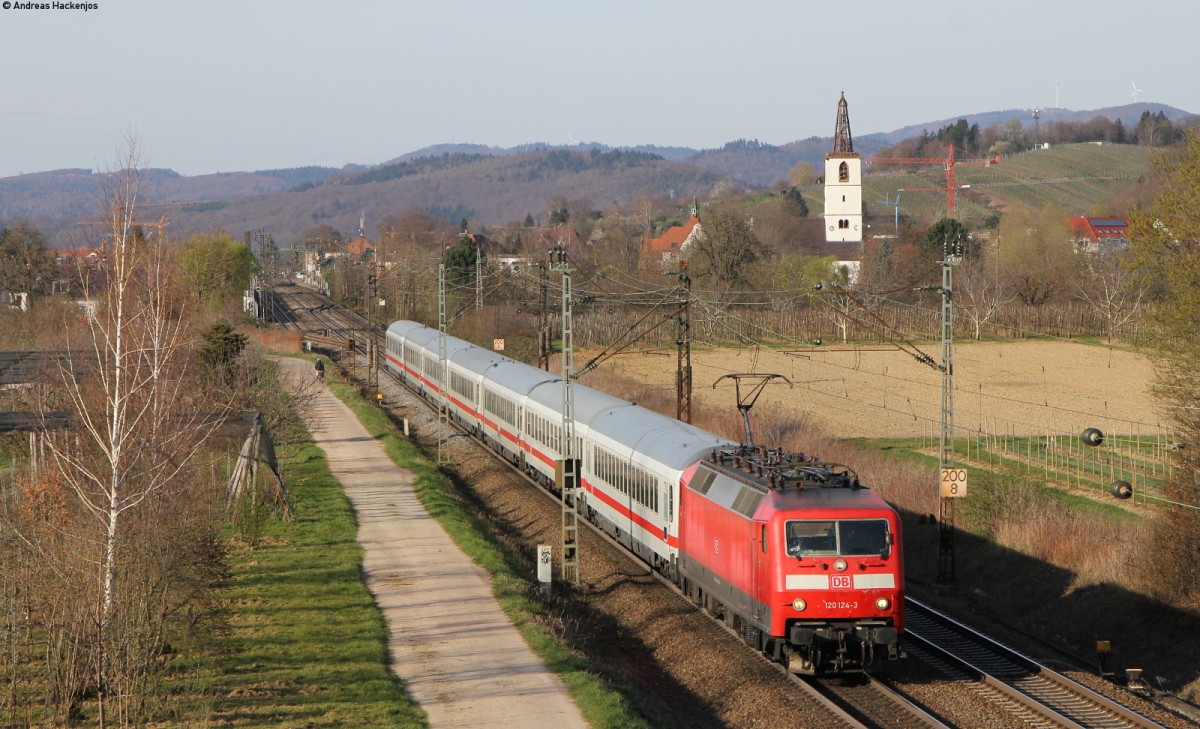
[{"x": 1018, "y": 388}]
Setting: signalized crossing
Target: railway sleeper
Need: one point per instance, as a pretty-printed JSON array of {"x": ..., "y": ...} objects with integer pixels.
[{"x": 806, "y": 650}]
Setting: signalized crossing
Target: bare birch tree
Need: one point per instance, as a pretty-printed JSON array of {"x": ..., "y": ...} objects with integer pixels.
[{"x": 136, "y": 425}]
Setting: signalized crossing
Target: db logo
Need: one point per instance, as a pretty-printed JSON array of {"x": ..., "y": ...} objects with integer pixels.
[{"x": 840, "y": 582}]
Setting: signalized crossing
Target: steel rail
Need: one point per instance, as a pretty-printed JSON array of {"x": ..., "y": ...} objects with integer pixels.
[
  {"x": 842, "y": 709},
  {"x": 1053, "y": 696}
]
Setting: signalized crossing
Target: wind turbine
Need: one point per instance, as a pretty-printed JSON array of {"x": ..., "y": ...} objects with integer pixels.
[{"x": 1135, "y": 93}]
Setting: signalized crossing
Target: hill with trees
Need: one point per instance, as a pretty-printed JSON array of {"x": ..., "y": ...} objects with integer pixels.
[
  {"x": 491, "y": 185},
  {"x": 1082, "y": 178},
  {"x": 485, "y": 190}
]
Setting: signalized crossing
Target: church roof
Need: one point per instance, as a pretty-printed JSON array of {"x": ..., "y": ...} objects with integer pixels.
[
  {"x": 673, "y": 238},
  {"x": 843, "y": 143}
]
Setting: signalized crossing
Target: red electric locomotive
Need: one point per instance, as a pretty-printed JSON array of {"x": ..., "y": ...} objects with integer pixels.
[{"x": 797, "y": 556}]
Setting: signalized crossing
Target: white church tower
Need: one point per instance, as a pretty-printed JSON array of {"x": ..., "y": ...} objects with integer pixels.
[{"x": 843, "y": 184}]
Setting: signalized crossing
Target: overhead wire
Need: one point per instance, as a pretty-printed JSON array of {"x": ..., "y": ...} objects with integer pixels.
[{"x": 522, "y": 274}]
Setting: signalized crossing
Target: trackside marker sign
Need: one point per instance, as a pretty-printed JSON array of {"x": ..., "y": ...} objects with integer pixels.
[{"x": 954, "y": 483}]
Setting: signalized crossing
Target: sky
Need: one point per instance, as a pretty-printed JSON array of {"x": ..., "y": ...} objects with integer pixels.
[{"x": 225, "y": 85}]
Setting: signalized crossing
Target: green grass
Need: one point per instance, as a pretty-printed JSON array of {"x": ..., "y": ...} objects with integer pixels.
[
  {"x": 1079, "y": 177},
  {"x": 603, "y": 701},
  {"x": 986, "y": 485},
  {"x": 306, "y": 644}
]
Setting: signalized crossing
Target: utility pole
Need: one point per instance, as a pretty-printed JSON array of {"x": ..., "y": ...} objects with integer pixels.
[
  {"x": 544, "y": 318},
  {"x": 683, "y": 348},
  {"x": 568, "y": 468},
  {"x": 372, "y": 345},
  {"x": 952, "y": 254},
  {"x": 478, "y": 276},
  {"x": 260, "y": 237},
  {"x": 443, "y": 405}
]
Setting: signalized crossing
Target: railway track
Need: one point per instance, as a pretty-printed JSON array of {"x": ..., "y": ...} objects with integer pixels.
[
  {"x": 323, "y": 324},
  {"x": 1039, "y": 695},
  {"x": 862, "y": 703},
  {"x": 976, "y": 665},
  {"x": 873, "y": 703}
]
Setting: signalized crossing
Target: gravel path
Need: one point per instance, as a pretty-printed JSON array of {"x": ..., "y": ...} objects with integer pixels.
[{"x": 461, "y": 659}]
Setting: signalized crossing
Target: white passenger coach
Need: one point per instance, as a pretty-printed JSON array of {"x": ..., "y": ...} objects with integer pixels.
[{"x": 632, "y": 458}]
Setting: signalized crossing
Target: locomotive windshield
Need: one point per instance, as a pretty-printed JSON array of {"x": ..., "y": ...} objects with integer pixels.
[{"x": 843, "y": 537}]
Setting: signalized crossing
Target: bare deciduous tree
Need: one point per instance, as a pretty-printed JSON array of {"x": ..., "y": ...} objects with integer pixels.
[
  {"x": 136, "y": 424},
  {"x": 978, "y": 293},
  {"x": 1110, "y": 287},
  {"x": 1037, "y": 258}
]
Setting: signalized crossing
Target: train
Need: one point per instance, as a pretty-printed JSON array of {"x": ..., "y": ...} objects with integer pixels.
[{"x": 795, "y": 555}]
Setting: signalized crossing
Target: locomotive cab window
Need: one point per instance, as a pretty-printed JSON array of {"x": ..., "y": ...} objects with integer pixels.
[{"x": 845, "y": 537}]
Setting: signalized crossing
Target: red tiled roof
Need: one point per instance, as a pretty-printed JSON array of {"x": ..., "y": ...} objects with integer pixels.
[
  {"x": 1097, "y": 228},
  {"x": 358, "y": 246},
  {"x": 559, "y": 234},
  {"x": 672, "y": 239}
]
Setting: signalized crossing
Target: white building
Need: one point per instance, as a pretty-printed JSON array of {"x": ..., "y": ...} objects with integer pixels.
[{"x": 843, "y": 184}]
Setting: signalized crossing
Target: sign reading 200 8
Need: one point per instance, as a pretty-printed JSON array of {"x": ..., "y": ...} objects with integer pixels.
[{"x": 954, "y": 483}]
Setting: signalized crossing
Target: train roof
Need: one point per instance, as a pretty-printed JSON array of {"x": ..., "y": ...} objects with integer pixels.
[
  {"x": 403, "y": 327},
  {"x": 475, "y": 359},
  {"x": 587, "y": 401},
  {"x": 427, "y": 339},
  {"x": 661, "y": 439},
  {"x": 739, "y": 485},
  {"x": 516, "y": 377},
  {"x": 828, "y": 498},
  {"x": 421, "y": 336}
]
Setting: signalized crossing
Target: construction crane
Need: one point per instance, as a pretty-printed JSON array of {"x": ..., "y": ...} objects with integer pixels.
[{"x": 949, "y": 163}]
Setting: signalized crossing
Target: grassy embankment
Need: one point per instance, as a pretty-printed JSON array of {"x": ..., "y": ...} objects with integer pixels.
[{"x": 307, "y": 645}]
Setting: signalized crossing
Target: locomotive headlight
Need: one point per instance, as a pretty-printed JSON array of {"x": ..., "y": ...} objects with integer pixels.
[
  {"x": 840, "y": 565},
  {"x": 883, "y": 603},
  {"x": 799, "y": 604}
]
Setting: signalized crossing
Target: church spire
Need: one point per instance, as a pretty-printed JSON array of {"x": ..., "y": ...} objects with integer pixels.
[
  {"x": 843, "y": 184},
  {"x": 842, "y": 141}
]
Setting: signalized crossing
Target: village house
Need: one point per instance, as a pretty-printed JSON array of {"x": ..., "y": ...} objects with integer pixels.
[
  {"x": 1099, "y": 235},
  {"x": 665, "y": 251}
]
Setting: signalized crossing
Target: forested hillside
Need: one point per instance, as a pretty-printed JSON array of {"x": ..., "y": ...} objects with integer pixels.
[
  {"x": 492, "y": 186},
  {"x": 486, "y": 190}
]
